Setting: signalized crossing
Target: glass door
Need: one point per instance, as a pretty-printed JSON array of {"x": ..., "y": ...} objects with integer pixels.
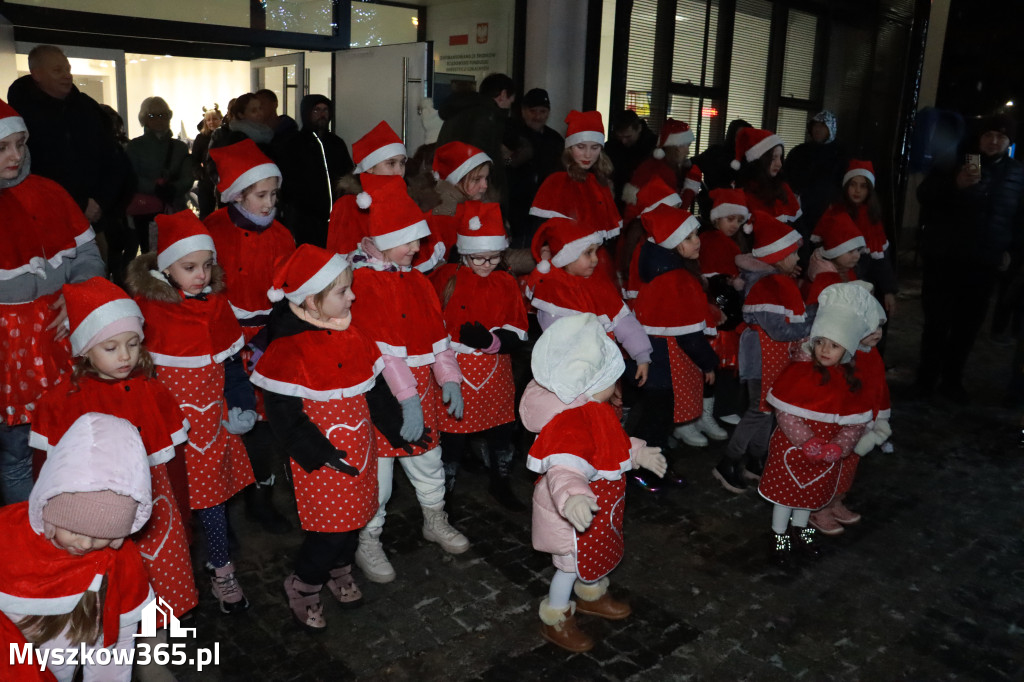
[
  {"x": 286, "y": 76},
  {"x": 99, "y": 73}
]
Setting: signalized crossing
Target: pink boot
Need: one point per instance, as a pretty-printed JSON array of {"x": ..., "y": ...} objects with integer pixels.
[{"x": 825, "y": 522}]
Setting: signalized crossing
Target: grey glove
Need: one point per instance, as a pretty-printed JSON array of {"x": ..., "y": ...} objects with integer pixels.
[
  {"x": 412, "y": 418},
  {"x": 451, "y": 394},
  {"x": 239, "y": 421}
]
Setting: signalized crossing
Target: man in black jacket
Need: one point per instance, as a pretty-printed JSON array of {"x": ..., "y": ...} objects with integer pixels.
[
  {"x": 70, "y": 138},
  {"x": 973, "y": 228},
  {"x": 312, "y": 162}
]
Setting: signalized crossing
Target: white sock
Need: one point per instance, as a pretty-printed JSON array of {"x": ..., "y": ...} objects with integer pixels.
[
  {"x": 561, "y": 589},
  {"x": 801, "y": 517},
  {"x": 780, "y": 519}
]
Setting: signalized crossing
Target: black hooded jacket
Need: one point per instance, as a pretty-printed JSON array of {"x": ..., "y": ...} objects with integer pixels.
[{"x": 311, "y": 164}]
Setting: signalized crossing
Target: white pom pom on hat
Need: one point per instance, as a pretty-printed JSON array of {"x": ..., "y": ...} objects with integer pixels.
[
  {"x": 544, "y": 267},
  {"x": 658, "y": 153},
  {"x": 275, "y": 295},
  {"x": 474, "y": 223},
  {"x": 363, "y": 200},
  {"x": 734, "y": 164}
]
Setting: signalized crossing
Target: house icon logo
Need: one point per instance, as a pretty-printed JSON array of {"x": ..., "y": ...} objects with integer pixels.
[{"x": 149, "y": 621}]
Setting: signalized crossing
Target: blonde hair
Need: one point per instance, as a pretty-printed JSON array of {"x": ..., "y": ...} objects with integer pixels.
[
  {"x": 602, "y": 168},
  {"x": 472, "y": 176},
  {"x": 151, "y": 103},
  {"x": 82, "y": 367},
  {"x": 84, "y": 623}
]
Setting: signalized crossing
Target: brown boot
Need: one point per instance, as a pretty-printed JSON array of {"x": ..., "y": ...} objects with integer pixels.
[
  {"x": 594, "y": 600},
  {"x": 559, "y": 627}
]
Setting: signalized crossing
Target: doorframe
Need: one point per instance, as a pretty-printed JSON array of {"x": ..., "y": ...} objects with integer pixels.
[{"x": 294, "y": 59}]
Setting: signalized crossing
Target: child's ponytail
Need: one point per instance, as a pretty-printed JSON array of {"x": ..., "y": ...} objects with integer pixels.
[{"x": 83, "y": 624}]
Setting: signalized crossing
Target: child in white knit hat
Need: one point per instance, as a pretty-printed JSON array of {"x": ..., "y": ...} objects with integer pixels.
[
  {"x": 582, "y": 453},
  {"x": 70, "y": 576},
  {"x": 822, "y": 410}
]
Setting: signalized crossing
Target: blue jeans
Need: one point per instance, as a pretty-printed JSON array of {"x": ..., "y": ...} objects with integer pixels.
[{"x": 15, "y": 463}]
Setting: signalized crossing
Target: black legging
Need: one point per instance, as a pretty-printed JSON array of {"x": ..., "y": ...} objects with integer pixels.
[{"x": 320, "y": 552}]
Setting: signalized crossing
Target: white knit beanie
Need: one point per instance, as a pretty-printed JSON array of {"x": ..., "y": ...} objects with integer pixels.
[{"x": 575, "y": 357}]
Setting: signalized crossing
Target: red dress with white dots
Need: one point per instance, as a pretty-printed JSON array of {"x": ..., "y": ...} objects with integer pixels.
[
  {"x": 589, "y": 438},
  {"x": 780, "y": 295},
  {"x": 790, "y": 479},
  {"x": 148, "y": 406},
  {"x": 40, "y": 224},
  {"x": 670, "y": 305},
  {"x": 400, "y": 312},
  {"x": 331, "y": 370},
  {"x": 189, "y": 340},
  {"x": 488, "y": 391}
]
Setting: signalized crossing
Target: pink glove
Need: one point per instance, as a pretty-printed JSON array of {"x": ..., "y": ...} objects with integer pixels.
[
  {"x": 831, "y": 452},
  {"x": 813, "y": 448}
]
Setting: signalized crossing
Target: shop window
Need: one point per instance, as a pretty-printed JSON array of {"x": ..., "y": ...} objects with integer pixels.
[
  {"x": 641, "y": 56},
  {"x": 374, "y": 24},
  {"x": 792, "y": 126},
  {"x": 219, "y": 13},
  {"x": 689, "y": 42},
  {"x": 749, "y": 64}
]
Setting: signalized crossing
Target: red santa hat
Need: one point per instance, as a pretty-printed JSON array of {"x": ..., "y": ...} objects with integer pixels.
[
  {"x": 584, "y": 126},
  {"x": 395, "y": 219},
  {"x": 307, "y": 272},
  {"x": 97, "y": 310},
  {"x": 752, "y": 143},
  {"x": 452, "y": 161},
  {"x": 380, "y": 144},
  {"x": 656, "y": 193},
  {"x": 839, "y": 235},
  {"x": 673, "y": 134},
  {"x": 727, "y": 202},
  {"x": 773, "y": 240},
  {"x": 669, "y": 226},
  {"x": 10, "y": 121},
  {"x": 567, "y": 240},
  {"x": 864, "y": 169},
  {"x": 481, "y": 228},
  {"x": 178, "y": 235},
  {"x": 241, "y": 165}
]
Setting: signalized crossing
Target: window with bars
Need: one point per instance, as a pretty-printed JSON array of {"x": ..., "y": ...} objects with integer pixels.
[
  {"x": 640, "y": 65},
  {"x": 749, "y": 64},
  {"x": 689, "y": 42}
]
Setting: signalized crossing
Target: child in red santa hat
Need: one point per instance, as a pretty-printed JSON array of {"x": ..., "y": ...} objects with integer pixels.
[
  {"x": 822, "y": 411},
  {"x": 582, "y": 192},
  {"x": 486, "y": 319},
  {"x": 399, "y": 310},
  {"x": 250, "y": 243},
  {"x": 774, "y": 313},
  {"x": 670, "y": 161},
  {"x": 192, "y": 335},
  {"x": 673, "y": 308},
  {"x": 114, "y": 374},
  {"x": 70, "y": 578},
  {"x": 860, "y": 202},
  {"x": 835, "y": 260},
  {"x": 581, "y": 454},
  {"x": 759, "y": 162},
  {"x": 325, "y": 410},
  {"x": 653, "y": 194}
]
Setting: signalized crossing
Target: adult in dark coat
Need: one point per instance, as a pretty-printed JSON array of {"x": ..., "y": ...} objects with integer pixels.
[
  {"x": 629, "y": 145},
  {"x": 538, "y": 154},
  {"x": 815, "y": 170},
  {"x": 312, "y": 163},
  {"x": 973, "y": 222},
  {"x": 70, "y": 137},
  {"x": 481, "y": 119}
]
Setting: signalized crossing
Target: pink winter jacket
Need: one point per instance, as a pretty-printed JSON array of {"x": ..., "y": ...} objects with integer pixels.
[{"x": 552, "y": 533}]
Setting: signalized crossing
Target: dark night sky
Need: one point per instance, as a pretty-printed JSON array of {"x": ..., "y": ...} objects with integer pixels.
[{"x": 983, "y": 58}]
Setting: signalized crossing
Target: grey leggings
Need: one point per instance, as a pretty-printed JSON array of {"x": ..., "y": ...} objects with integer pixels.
[{"x": 754, "y": 430}]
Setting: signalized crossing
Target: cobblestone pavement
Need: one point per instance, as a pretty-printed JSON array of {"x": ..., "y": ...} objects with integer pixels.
[{"x": 929, "y": 586}]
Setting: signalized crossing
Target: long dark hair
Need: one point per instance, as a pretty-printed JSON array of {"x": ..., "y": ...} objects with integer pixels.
[
  {"x": 872, "y": 204},
  {"x": 755, "y": 178},
  {"x": 849, "y": 373}
]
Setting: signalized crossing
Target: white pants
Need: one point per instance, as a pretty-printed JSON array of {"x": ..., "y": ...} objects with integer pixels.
[{"x": 425, "y": 472}]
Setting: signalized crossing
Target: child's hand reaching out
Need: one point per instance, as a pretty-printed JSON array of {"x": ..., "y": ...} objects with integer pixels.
[{"x": 652, "y": 460}]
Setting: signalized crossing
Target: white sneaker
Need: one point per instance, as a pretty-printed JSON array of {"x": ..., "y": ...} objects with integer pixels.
[
  {"x": 730, "y": 419},
  {"x": 371, "y": 559},
  {"x": 707, "y": 423},
  {"x": 437, "y": 529},
  {"x": 691, "y": 435}
]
